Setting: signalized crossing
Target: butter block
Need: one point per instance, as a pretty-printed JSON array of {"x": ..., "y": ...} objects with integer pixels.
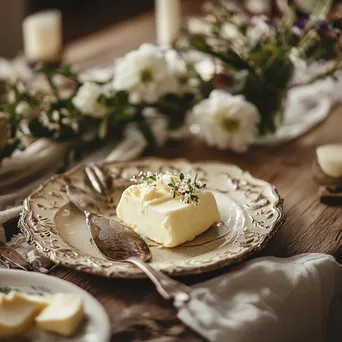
[
  {"x": 17, "y": 313},
  {"x": 63, "y": 316},
  {"x": 153, "y": 213},
  {"x": 329, "y": 158}
]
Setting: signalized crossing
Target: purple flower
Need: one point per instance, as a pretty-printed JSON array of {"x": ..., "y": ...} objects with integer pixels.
[
  {"x": 298, "y": 28},
  {"x": 303, "y": 15},
  {"x": 270, "y": 23},
  {"x": 299, "y": 24},
  {"x": 323, "y": 26}
]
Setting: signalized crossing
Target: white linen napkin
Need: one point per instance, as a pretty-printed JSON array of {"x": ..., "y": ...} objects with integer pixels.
[{"x": 270, "y": 299}]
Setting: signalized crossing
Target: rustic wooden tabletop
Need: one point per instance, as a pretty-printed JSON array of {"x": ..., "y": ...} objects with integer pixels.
[{"x": 136, "y": 310}]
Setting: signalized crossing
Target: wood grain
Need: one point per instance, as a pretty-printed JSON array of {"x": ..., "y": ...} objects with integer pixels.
[{"x": 136, "y": 310}]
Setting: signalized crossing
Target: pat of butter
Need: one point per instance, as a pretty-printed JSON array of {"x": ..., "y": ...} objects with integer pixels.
[
  {"x": 329, "y": 158},
  {"x": 63, "y": 316},
  {"x": 17, "y": 312},
  {"x": 155, "y": 214}
]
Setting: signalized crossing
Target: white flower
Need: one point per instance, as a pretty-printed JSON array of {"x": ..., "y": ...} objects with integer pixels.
[
  {"x": 230, "y": 31},
  {"x": 86, "y": 100},
  {"x": 199, "y": 26},
  {"x": 145, "y": 74},
  {"x": 259, "y": 30},
  {"x": 226, "y": 121},
  {"x": 23, "y": 108},
  {"x": 177, "y": 65}
]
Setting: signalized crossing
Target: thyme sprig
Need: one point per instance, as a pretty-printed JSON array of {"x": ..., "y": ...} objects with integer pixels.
[{"x": 181, "y": 186}]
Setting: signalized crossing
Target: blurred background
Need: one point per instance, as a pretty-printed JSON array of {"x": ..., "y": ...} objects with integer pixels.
[{"x": 82, "y": 17}]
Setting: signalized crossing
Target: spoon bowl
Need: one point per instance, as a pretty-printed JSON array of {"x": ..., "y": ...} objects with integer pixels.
[{"x": 115, "y": 240}]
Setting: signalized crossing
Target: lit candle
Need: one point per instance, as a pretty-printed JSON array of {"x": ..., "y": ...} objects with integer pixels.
[
  {"x": 168, "y": 21},
  {"x": 42, "y": 34}
]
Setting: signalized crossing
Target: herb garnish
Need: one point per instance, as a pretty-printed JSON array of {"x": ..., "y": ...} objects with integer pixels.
[{"x": 181, "y": 186}]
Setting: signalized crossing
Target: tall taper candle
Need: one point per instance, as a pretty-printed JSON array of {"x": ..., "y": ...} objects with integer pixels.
[
  {"x": 42, "y": 33},
  {"x": 168, "y": 21}
]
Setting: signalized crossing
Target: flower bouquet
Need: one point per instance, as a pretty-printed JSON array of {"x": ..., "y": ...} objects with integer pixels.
[
  {"x": 255, "y": 60},
  {"x": 149, "y": 85}
]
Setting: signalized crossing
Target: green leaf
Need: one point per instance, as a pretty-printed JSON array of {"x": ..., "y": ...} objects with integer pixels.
[
  {"x": 121, "y": 98},
  {"x": 146, "y": 131},
  {"x": 103, "y": 129},
  {"x": 102, "y": 100},
  {"x": 181, "y": 176}
]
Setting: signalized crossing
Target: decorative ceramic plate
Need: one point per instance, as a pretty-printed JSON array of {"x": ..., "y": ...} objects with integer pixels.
[
  {"x": 97, "y": 324},
  {"x": 251, "y": 213}
]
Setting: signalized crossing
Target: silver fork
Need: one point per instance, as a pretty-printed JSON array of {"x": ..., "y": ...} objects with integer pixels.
[{"x": 100, "y": 182}]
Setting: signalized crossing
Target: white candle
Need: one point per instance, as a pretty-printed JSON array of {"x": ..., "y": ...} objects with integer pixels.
[
  {"x": 42, "y": 34},
  {"x": 168, "y": 21}
]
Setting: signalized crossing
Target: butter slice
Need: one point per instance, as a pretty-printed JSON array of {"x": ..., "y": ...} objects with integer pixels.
[
  {"x": 17, "y": 313},
  {"x": 63, "y": 316},
  {"x": 329, "y": 158},
  {"x": 155, "y": 214}
]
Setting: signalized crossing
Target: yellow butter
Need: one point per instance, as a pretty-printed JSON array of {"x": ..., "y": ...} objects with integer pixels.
[
  {"x": 155, "y": 214},
  {"x": 63, "y": 316},
  {"x": 17, "y": 313}
]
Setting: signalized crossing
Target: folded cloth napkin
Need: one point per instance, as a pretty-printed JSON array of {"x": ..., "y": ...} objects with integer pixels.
[{"x": 270, "y": 299}]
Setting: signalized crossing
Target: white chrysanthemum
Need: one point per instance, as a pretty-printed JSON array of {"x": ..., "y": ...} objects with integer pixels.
[
  {"x": 226, "y": 121},
  {"x": 177, "y": 65},
  {"x": 145, "y": 74},
  {"x": 86, "y": 100},
  {"x": 259, "y": 30}
]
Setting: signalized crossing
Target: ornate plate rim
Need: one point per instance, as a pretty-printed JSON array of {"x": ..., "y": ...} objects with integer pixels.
[{"x": 25, "y": 226}]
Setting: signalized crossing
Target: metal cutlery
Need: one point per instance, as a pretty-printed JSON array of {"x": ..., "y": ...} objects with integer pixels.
[
  {"x": 118, "y": 242},
  {"x": 100, "y": 182},
  {"x": 9, "y": 257},
  {"x": 12, "y": 259}
]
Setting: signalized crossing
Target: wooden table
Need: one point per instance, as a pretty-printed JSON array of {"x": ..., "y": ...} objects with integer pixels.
[{"x": 137, "y": 312}]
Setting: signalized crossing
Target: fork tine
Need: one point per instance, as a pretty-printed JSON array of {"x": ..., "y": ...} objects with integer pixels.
[
  {"x": 94, "y": 181},
  {"x": 102, "y": 176}
]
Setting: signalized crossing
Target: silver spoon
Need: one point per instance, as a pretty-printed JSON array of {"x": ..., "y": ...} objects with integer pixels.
[{"x": 119, "y": 242}]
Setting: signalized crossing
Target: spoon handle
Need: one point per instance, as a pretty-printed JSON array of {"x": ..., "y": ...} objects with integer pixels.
[{"x": 168, "y": 288}]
